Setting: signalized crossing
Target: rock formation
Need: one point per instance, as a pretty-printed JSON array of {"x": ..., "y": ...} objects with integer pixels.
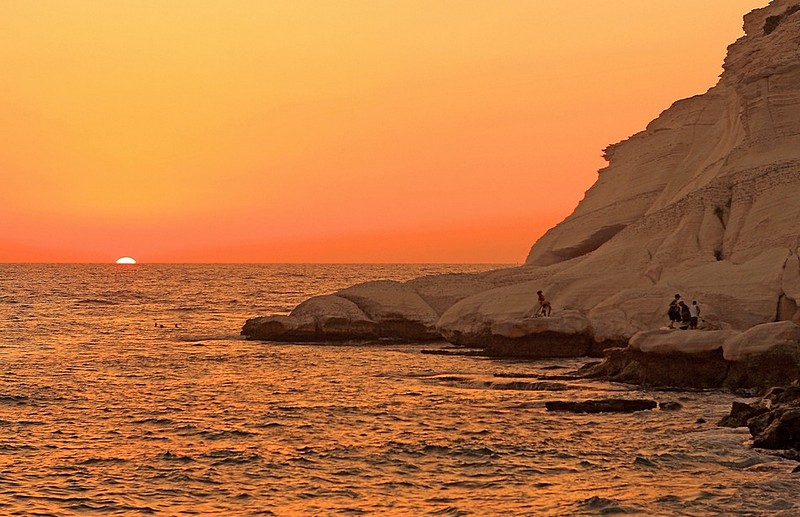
[
  {"x": 703, "y": 202},
  {"x": 763, "y": 356},
  {"x": 774, "y": 421}
]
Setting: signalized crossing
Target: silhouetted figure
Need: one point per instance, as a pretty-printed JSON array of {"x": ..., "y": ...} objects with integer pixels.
[
  {"x": 674, "y": 311},
  {"x": 694, "y": 313},
  {"x": 544, "y": 306},
  {"x": 686, "y": 315}
]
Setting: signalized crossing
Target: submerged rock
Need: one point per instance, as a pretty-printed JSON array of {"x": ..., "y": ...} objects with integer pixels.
[{"x": 602, "y": 406}]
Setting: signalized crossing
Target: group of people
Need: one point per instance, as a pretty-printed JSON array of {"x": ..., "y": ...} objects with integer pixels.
[
  {"x": 680, "y": 313},
  {"x": 685, "y": 316}
]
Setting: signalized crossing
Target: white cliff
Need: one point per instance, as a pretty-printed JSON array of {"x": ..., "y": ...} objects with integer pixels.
[{"x": 704, "y": 202}]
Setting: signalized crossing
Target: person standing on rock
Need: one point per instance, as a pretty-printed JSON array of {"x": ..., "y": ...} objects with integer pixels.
[
  {"x": 674, "y": 311},
  {"x": 686, "y": 315},
  {"x": 694, "y": 313},
  {"x": 544, "y": 305}
]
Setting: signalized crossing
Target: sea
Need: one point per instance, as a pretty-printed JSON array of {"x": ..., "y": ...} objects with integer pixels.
[{"x": 127, "y": 390}]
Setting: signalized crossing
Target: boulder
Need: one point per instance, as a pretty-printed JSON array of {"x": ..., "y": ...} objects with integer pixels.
[
  {"x": 336, "y": 318},
  {"x": 766, "y": 355},
  {"x": 762, "y": 339},
  {"x": 396, "y": 308},
  {"x": 664, "y": 342},
  {"x": 567, "y": 334},
  {"x": 741, "y": 413},
  {"x": 782, "y": 432},
  {"x": 279, "y": 328},
  {"x": 777, "y": 426},
  {"x": 321, "y": 318},
  {"x": 763, "y": 356}
]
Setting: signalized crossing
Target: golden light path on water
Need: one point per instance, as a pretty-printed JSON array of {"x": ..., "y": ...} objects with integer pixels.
[{"x": 129, "y": 391}]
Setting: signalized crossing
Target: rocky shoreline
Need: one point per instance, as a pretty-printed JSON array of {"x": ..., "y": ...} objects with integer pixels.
[{"x": 760, "y": 357}]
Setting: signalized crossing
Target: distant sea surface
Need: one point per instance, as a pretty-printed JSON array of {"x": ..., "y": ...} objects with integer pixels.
[{"x": 127, "y": 390}]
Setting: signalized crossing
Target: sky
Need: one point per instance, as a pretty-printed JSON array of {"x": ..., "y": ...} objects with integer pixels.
[{"x": 322, "y": 131}]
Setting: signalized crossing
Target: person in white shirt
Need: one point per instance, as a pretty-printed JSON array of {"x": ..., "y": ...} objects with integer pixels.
[{"x": 694, "y": 313}]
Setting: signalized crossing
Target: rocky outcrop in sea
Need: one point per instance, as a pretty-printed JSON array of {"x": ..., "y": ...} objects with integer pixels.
[
  {"x": 773, "y": 421},
  {"x": 702, "y": 202}
]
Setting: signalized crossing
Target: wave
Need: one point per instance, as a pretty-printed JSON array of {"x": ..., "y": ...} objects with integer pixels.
[
  {"x": 170, "y": 456},
  {"x": 226, "y": 434},
  {"x": 154, "y": 421},
  {"x": 103, "y": 461},
  {"x": 95, "y": 301}
]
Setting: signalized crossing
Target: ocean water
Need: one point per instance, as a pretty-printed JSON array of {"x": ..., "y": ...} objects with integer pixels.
[{"x": 127, "y": 390}]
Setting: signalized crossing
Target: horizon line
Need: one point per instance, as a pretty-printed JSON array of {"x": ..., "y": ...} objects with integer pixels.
[{"x": 272, "y": 263}]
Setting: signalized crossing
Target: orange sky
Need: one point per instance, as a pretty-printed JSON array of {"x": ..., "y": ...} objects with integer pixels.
[{"x": 320, "y": 131}]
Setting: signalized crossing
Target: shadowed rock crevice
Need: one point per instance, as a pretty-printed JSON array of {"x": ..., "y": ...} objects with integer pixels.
[
  {"x": 772, "y": 22},
  {"x": 588, "y": 245},
  {"x": 787, "y": 308}
]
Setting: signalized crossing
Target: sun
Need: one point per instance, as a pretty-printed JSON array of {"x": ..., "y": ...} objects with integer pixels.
[{"x": 125, "y": 260}]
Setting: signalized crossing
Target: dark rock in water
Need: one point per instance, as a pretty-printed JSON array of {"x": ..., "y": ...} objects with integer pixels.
[
  {"x": 758, "y": 424},
  {"x": 747, "y": 392},
  {"x": 783, "y": 395},
  {"x": 740, "y": 414},
  {"x": 602, "y": 406},
  {"x": 777, "y": 426},
  {"x": 782, "y": 432},
  {"x": 530, "y": 386},
  {"x": 796, "y": 470},
  {"x": 670, "y": 406},
  {"x": 700, "y": 420},
  {"x": 454, "y": 352}
]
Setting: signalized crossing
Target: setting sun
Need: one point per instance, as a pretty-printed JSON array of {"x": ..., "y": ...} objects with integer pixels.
[{"x": 126, "y": 260}]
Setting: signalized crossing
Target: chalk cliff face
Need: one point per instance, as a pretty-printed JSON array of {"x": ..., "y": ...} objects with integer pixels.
[{"x": 704, "y": 202}]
